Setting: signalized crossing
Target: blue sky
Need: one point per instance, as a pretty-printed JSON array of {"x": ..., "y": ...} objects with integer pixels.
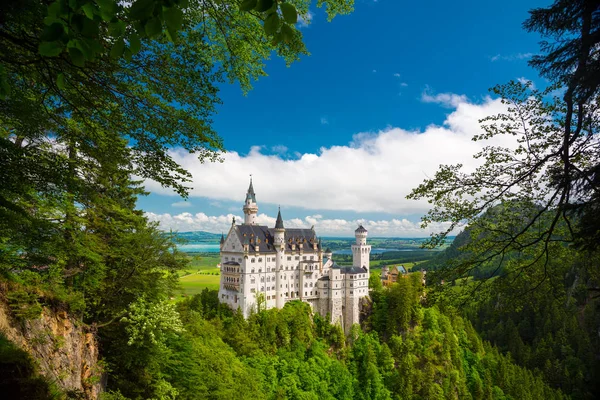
[{"x": 408, "y": 76}]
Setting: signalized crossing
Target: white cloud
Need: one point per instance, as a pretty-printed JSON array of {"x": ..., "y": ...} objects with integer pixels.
[
  {"x": 403, "y": 84},
  {"x": 449, "y": 100},
  {"x": 305, "y": 20},
  {"x": 373, "y": 173},
  {"x": 399, "y": 227},
  {"x": 281, "y": 149},
  {"x": 324, "y": 121},
  {"x": 181, "y": 204},
  {"x": 397, "y": 75},
  {"x": 511, "y": 57},
  {"x": 374, "y": 71},
  {"x": 526, "y": 81}
]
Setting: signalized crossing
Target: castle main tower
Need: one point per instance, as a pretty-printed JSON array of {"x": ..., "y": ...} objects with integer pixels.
[
  {"x": 250, "y": 206},
  {"x": 361, "y": 250}
]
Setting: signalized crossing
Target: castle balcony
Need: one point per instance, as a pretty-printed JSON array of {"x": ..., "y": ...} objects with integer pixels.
[{"x": 232, "y": 286}]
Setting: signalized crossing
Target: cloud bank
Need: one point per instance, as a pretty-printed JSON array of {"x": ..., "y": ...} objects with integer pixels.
[
  {"x": 324, "y": 227},
  {"x": 373, "y": 173}
]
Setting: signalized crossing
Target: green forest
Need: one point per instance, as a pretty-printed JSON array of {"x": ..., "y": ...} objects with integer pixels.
[{"x": 94, "y": 95}]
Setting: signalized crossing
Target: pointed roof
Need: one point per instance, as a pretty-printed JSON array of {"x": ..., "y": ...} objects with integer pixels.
[
  {"x": 279, "y": 222},
  {"x": 327, "y": 250},
  {"x": 222, "y": 239},
  {"x": 250, "y": 194},
  {"x": 360, "y": 229}
]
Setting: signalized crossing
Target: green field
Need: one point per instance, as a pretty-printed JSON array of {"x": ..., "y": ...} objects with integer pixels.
[{"x": 202, "y": 272}]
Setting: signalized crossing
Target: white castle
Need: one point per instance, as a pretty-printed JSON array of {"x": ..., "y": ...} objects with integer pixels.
[{"x": 271, "y": 266}]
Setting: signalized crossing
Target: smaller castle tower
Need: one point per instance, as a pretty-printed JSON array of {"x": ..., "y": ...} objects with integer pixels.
[
  {"x": 361, "y": 250},
  {"x": 279, "y": 242},
  {"x": 250, "y": 206}
]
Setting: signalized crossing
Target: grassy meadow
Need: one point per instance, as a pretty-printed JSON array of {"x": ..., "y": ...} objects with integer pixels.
[{"x": 202, "y": 272}]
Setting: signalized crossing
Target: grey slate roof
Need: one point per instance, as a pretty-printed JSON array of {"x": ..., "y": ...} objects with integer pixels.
[
  {"x": 279, "y": 222},
  {"x": 360, "y": 229},
  {"x": 263, "y": 236},
  {"x": 328, "y": 250},
  {"x": 348, "y": 270},
  {"x": 353, "y": 270}
]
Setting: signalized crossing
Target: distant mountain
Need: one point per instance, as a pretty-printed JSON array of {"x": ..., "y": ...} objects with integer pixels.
[{"x": 198, "y": 237}]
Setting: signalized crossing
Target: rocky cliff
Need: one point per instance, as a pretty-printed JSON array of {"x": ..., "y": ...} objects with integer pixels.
[{"x": 65, "y": 353}]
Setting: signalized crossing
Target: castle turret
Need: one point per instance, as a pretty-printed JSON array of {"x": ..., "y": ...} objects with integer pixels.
[
  {"x": 222, "y": 242},
  {"x": 250, "y": 206},
  {"x": 279, "y": 241},
  {"x": 361, "y": 250}
]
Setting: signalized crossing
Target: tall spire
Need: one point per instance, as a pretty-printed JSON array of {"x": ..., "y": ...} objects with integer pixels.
[
  {"x": 250, "y": 194},
  {"x": 250, "y": 207},
  {"x": 279, "y": 222},
  {"x": 222, "y": 238}
]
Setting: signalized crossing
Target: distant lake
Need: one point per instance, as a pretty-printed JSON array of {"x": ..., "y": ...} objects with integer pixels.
[
  {"x": 373, "y": 251},
  {"x": 199, "y": 248}
]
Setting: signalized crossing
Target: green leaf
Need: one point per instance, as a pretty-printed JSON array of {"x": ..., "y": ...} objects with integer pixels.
[
  {"x": 127, "y": 54},
  {"x": 272, "y": 24},
  {"x": 60, "y": 81},
  {"x": 116, "y": 29},
  {"x": 117, "y": 49},
  {"x": 174, "y": 18},
  {"x": 153, "y": 27},
  {"x": 171, "y": 34},
  {"x": 290, "y": 15},
  {"x": 52, "y": 32},
  {"x": 134, "y": 43},
  {"x": 90, "y": 28},
  {"x": 77, "y": 56},
  {"x": 108, "y": 6},
  {"x": 141, "y": 9},
  {"x": 264, "y": 5},
  {"x": 89, "y": 10},
  {"x": 50, "y": 49},
  {"x": 248, "y": 5},
  {"x": 54, "y": 9},
  {"x": 4, "y": 84},
  {"x": 287, "y": 33}
]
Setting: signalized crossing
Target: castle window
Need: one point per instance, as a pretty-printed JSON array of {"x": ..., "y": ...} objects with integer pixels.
[
  {"x": 262, "y": 288},
  {"x": 306, "y": 293},
  {"x": 262, "y": 278},
  {"x": 312, "y": 257},
  {"x": 226, "y": 258},
  {"x": 260, "y": 270},
  {"x": 289, "y": 258},
  {"x": 252, "y": 260},
  {"x": 240, "y": 259},
  {"x": 304, "y": 257},
  {"x": 297, "y": 257},
  {"x": 252, "y": 270},
  {"x": 351, "y": 292},
  {"x": 252, "y": 280},
  {"x": 260, "y": 260},
  {"x": 252, "y": 290}
]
